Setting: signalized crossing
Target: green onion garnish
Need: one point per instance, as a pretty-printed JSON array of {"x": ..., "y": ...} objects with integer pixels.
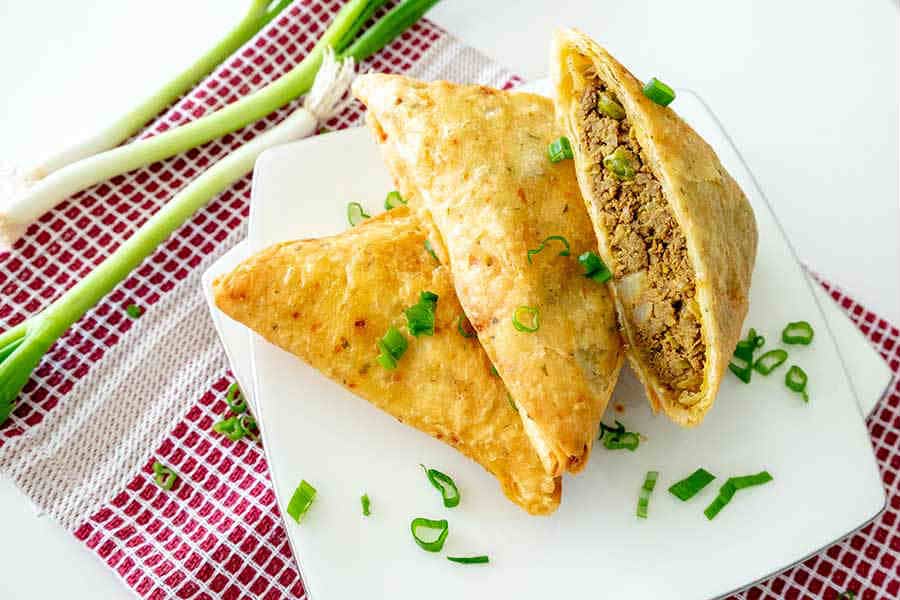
[
  {"x": 469, "y": 560},
  {"x": 366, "y": 503},
  {"x": 726, "y": 492},
  {"x": 606, "y": 105},
  {"x": 463, "y": 326},
  {"x": 301, "y": 500},
  {"x": 659, "y": 92},
  {"x": 688, "y": 487},
  {"x": 646, "y": 490},
  {"x": 618, "y": 438},
  {"x": 494, "y": 371},
  {"x": 230, "y": 428},
  {"x": 435, "y": 544},
  {"x": 594, "y": 267},
  {"x": 430, "y": 251},
  {"x": 444, "y": 484},
  {"x": 235, "y": 399},
  {"x": 620, "y": 163},
  {"x": 511, "y": 403},
  {"x": 742, "y": 362},
  {"x": 798, "y": 332},
  {"x": 795, "y": 379},
  {"x": 531, "y": 314},
  {"x": 392, "y": 345},
  {"x": 769, "y": 361},
  {"x": 164, "y": 476},
  {"x": 249, "y": 426},
  {"x": 560, "y": 149},
  {"x": 420, "y": 316},
  {"x": 558, "y": 238},
  {"x": 134, "y": 311},
  {"x": 356, "y": 214},
  {"x": 847, "y": 595},
  {"x": 393, "y": 200}
]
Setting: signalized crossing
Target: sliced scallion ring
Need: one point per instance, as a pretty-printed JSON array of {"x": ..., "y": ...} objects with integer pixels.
[
  {"x": 445, "y": 485},
  {"x": 742, "y": 361},
  {"x": 356, "y": 214},
  {"x": 420, "y": 316},
  {"x": 594, "y": 267},
  {"x": 620, "y": 163},
  {"x": 691, "y": 485},
  {"x": 646, "y": 490},
  {"x": 770, "y": 361},
  {"x": 796, "y": 379},
  {"x": 527, "y": 313},
  {"x": 607, "y": 106},
  {"x": 392, "y": 346},
  {"x": 393, "y": 200},
  {"x": 301, "y": 500},
  {"x": 659, "y": 92},
  {"x": 230, "y": 428},
  {"x": 560, "y": 149},
  {"x": 235, "y": 399},
  {"x": 134, "y": 311},
  {"x": 464, "y": 327},
  {"x": 617, "y": 438},
  {"x": 164, "y": 476},
  {"x": 470, "y": 560},
  {"x": 558, "y": 238},
  {"x": 419, "y": 524},
  {"x": 798, "y": 332},
  {"x": 249, "y": 426}
]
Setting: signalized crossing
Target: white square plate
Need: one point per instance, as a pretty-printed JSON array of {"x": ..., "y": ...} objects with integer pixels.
[{"x": 826, "y": 480}]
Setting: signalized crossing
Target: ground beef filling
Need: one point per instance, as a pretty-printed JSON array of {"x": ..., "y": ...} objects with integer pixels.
[{"x": 653, "y": 276}]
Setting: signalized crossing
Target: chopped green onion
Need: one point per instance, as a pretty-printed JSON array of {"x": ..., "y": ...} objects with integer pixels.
[
  {"x": 618, "y": 438},
  {"x": 392, "y": 345},
  {"x": 430, "y": 251},
  {"x": 659, "y": 92},
  {"x": 366, "y": 504},
  {"x": 134, "y": 311},
  {"x": 798, "y": 332},
  {"x": 164, "y": 476},
  {"x": 249, "y": 426},
  {"x": 847, "y": 595},
  {"x": 420, "y": 316},
  {"x": 594, "y": 267},
  {"x": 742, "y": 361},
  {"x": 620, "y": 163},
  {"x": 393, "y": 200},
  {"x": 463, "y": 326},
  {"x": 691, "y": 485},
  {"x": 511, "y": 403},
  {"x": 494, "y": 371},
  {"x": 558, "y": 238},
  {"x": 769, "y": 361},
  {"x": 560, "y": 149},
  {"x": 230, "y": 428},
  {"x": 235, "y": 399},
  {"x": 435, "y": 544},
  {"x": 728, "y": 489},
  {"x": 356, "y": 214},
  {"x": 795, "y": 379},
  {"x": 647, "y": 489},
  {"x": 301, "y": 500},
  {"x": 444, "y": 484},
  {"x": 530, "y": 313},
  {"x": 469, "y": 560},
  {"x": 607, "y": 106}
]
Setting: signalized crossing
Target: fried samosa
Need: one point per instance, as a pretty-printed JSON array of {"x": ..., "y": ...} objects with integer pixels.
[
  {"x": 512, "y": 224},
  {"x": 675, "y": 229},
  {"x": 329, "y": 301}
]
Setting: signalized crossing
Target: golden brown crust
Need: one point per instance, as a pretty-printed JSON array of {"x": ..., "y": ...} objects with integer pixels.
[
  {"x": 710, "y": 208},
  {"x": 329, "y": 300},
  {"x": 474, "y": 159}
]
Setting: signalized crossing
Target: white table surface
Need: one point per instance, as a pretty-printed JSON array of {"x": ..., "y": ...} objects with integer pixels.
[{"x": 808, "y": 90}]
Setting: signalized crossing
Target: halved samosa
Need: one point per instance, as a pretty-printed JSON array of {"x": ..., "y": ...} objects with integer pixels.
[
  {"x": 475, "y": 161},
  {"x": 329, "y": 301},
  {"x": 674, "y": 227}
]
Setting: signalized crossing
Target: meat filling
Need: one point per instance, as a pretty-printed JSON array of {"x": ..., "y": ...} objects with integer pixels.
[{"x": 652, "y": 273}]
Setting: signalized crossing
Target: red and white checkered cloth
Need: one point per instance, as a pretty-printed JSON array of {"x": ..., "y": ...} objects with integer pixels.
[{"x": 116, "y": 394}]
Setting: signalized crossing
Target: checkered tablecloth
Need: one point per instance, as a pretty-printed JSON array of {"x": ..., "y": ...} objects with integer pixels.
[{"x": 115, "y": 394}]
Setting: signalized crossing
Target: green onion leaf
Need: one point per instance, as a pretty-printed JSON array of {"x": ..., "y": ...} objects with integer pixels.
[
  {"x": 659, "y": 92},
  {"x": 430, "y": 251},
  {"x": 366, "y": 504},
  {"x": 134, "y": 311},
  {"x": 560, "y": 149},
  {"x": 444, "y": 484},
  {"x": 620, "y": 163},
  {"x": 769, "y": 361},
  {"x": 235, "y": 399},
  {"x": 607, "y": 106},
  {"x": 164, "y": 476},
  {"x": 795, "y": 379},
  {"x": 431, "y": 545},
  {"x": 463, "y": 326},
  {"x": 529, "y": 313},
  {"x": 647, "y": 489},
  {"x": 594, "y": 267},
  {"x": 742, "y": 362},
  {"x": 392, "y": 345},
  {"x": 618, "y": 438},
  {"x": 393, "y": 200},
  {"x": 691, "y": 485},
  {"x": 420, "y": 316},
  {"x": 728, "y": 489},
  {"x": 356, "y": 214},
  {"x": 469, "y": 560},
  {"x": 301, "y": 500},
  {"x": 798, "y": 332},
  {"x": 558, "y": 238}
]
